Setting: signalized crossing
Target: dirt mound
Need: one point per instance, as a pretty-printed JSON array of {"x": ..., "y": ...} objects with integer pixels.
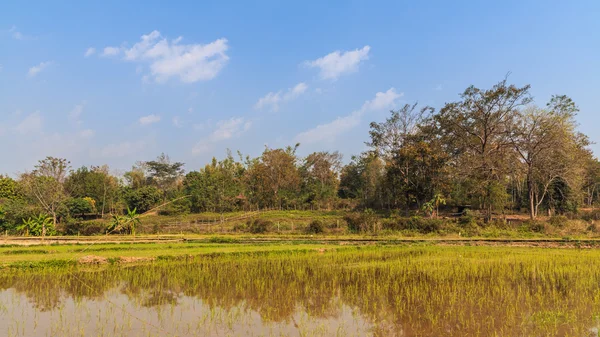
[{"x": 92, "y": 259}]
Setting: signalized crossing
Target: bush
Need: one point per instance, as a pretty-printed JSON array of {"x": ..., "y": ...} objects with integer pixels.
[
  {"x": 467, "y": 220},
  {"x": 315, "y": 227},
  {"x": 176, "y": 208},
  {"x": 535, "y": 226},
  {"x": 143, "y": 198},
  {"x": 259, "y": 226},
  {"x": 362, "y": 222},
  {"x": 79, "y": 206},
  {"x": 239, "y": 227},
  {"x": 591, "y": 216},
  {"x": 558, "y": 220},
  {"x": 78, "y": 227}
]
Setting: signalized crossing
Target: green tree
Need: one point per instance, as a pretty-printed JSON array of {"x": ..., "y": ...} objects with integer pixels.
[
  {"x": 45, "y": 185},
  {"x": 163, "y": 173},
  {"x": 475, "y": 130},
  {"x": 319, "y": 175},
  {"x": 96, "y": 183}
]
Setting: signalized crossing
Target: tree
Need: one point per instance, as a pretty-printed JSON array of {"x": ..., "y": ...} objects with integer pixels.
[
  {"x": 79, "y": 206},
  {"x": 96, "y": 183},
  {"x": 142, "y": 199},
  {"x": 8, "y": 187},
  {"x": 549, "y": 148},
  {"x": 273, "y": 178},
  {"x": 363, "y": 179},
  {"x": 319, "y": 174},
  {"x": 475, "y": 131},
  {"x": 217, "y": 186},
  {"x": 388, "y": 137},
  {"x": 45, "y": 185},
  {"x": 163, "y": 173}
]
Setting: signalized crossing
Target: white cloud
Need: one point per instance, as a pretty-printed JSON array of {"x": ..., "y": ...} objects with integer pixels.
[
  {"x": 75, "y": 114},
  {"x": 33, "y": 71},
  {"x": 16, "y": 34},
  {"x": 382, "y": 100},
  {"x": 87, "y": 133},
  {"x": 273, "y": 99},
  {"x": 337, "y": 63},
  {"x": 225, "y": 129},
  {"x": 150, "y": 119},
  {"x": 330, "y": 131},
  {"x": 31, "y": 124},
  {"x": 122, "y": 149},
  {"x": 438, "y": 87},
  {"x": 177, "y": 122},
  {"x": 110, "y": 51},
  {"x": 188, "y": 62},
  {"x": 90, "y": 51}
]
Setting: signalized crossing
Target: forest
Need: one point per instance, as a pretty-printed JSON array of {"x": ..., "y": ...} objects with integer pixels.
[{"x": 491, "y": 152}]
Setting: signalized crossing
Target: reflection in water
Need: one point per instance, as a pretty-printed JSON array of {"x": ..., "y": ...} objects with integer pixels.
[{"x": 378, "y": 291}]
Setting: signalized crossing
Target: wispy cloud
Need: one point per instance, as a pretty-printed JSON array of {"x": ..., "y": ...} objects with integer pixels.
[
  {"x": 330, "y": 131},
  {"x": 170, "y": 58},
  {"x": 225, "y": 129},
  {"x": 32, "y": 123},
  {"x": 111, "y": 51},
  {"x": 177, "y": 122},
  {"x": 33, "y": 71},
  {"x": 150, "y": 119},
  {"x": 122, "y": 149},
  {"x": 89, "y": 52},
  {"x": 338, "y": 63},
  {"x": 75, "y": 114},
  {"x": 272, "y": 100}
]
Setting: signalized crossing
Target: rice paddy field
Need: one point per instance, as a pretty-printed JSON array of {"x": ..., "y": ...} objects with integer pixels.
[{"x": 298, "y": 289}]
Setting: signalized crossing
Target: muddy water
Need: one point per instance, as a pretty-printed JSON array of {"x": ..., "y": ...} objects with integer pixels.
[{"x": 117, "y": 315}]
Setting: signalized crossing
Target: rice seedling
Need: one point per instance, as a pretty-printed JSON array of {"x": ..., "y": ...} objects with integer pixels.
[{"x": 379, "y": 290}]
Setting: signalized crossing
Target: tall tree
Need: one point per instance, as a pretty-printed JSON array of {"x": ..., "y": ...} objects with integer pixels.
[
  {"x": 549, "y": 148},
  {"x": 164, "y": 173},
  {"x": 476, "y": 132},
  {"x": 45, "y": 185},
  {"x": 273, "y": 178},
  {"x": 319, "y": 173}
]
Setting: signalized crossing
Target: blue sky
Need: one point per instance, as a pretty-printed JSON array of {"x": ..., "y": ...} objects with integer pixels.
[{"x": 114, "y": 82}]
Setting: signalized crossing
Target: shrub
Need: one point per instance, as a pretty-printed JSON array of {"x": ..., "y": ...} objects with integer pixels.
[
  {"x": 239, "y": 227},
  {"x": 424, "y": 225},
  {"x": 362, "y": 222},
  {"x": 176, "y": 208},
  {"x": 558, "y": 220},
  {"x": 79, "y": 206},
  {"x": 258, "y": 226},
  {"x": 78, "y": 227},
  {"x": 591, "y": 216},
  {"x": 467, "y": 220},
  {"x": 315, "y": 227},
  {"x": 535, "y": 226}
]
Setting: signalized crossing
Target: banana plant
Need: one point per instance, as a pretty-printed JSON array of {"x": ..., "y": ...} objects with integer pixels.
[{"x": 36, "y": 226}]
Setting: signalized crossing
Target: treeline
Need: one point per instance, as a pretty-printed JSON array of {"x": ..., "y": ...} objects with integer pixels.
[{"x": 491, "y": 150}]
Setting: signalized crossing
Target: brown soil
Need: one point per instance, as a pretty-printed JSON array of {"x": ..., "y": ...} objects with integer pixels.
[{"x": 94, "y": 259}]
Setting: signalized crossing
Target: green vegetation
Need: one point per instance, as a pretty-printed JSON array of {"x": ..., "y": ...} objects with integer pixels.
[
  {"x": 492, "y": 154},
  {"x": 419, "y": 290}
]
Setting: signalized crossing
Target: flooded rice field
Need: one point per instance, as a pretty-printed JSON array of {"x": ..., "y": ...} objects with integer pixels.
[{"x": 357, "y": 291}]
